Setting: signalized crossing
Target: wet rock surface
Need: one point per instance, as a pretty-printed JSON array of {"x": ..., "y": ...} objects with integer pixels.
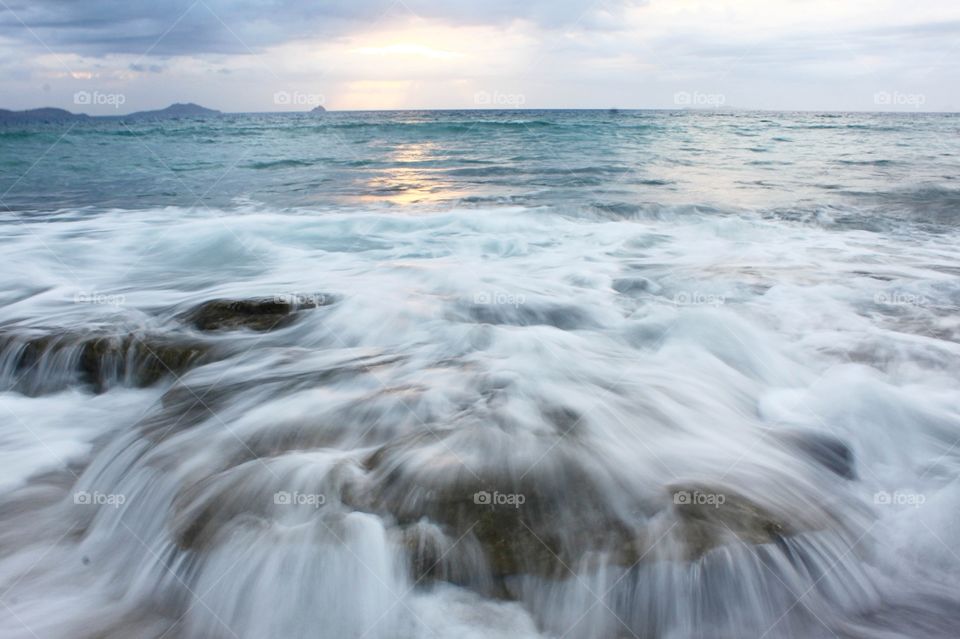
[
  {"x": 827, "y": 450},
  {"x": 256, "y": 314},
  {"x": 516, "y": 311},
  {"x": 533, "y": 524},
  {"x": 721, "y": 516},
  {"x": 35, "y": 364},
  {"x": 500, "y": 524},
  {"x": 37, "y": 361}
]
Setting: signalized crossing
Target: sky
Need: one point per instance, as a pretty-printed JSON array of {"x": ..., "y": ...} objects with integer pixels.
[{"x": 110, "y": 56}]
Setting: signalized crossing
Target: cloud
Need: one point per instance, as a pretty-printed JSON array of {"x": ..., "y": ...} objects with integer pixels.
[
  {"x": 146, "y": 68},
  {"x": 190, "y": 27},
  {"x": 815, "y": 54}
]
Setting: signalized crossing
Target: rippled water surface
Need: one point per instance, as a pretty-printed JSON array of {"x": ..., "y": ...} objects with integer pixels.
[{"x": 481, "y": 374}]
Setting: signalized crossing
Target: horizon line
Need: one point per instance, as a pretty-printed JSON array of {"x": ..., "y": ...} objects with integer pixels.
[{"x": 521, "y": 109}]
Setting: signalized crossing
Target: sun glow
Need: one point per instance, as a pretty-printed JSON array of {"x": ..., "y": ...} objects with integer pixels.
[
  {"x": 407, "y": 49},
  {"x": 406, "y": 64}
]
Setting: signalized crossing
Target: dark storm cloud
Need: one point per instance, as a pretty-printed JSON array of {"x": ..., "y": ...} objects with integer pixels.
[{"x": 178, "y": 27}]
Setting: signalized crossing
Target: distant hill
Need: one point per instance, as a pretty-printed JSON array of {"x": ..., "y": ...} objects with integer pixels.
[
  {"x": 178, "y": 110},
  {"x": 48, "y": 114}
]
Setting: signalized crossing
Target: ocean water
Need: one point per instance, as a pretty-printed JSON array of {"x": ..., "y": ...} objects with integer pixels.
[{"x": 533, "y": 374}]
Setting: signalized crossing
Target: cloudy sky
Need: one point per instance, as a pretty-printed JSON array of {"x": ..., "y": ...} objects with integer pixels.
[{"x": 273, "y": 55}]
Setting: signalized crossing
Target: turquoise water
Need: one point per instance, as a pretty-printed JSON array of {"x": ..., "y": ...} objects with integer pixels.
[
  {"x": 587, "y": 375},
  {"x": 622, "y": 163}
]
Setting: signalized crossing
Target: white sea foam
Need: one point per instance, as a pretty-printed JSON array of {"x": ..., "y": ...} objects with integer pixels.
[{"x": 331, "y": 478}]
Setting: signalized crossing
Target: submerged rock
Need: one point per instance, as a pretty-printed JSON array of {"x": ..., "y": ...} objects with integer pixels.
[
  {"x": 36, "y": 364},
  {"x": 634, "y": 286},
  {"x": 514, "y": 310},
  {"x": 571, "y": 508},
  {"x": 525, "y": 524},
  {"x": 437, "y": 557},
  {"x": 707, "y": 516},
  {"x": 142, "y": 361},
  {"x": 258, "y": 314},
  {"x": 711, "y": 516},
  {"x": 827, "y": 450}
]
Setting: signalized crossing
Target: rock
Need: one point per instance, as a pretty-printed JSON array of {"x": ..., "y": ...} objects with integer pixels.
[
  {"x": 143, "y": 361},
  {"x": 181, "y": 407},
  {"x": 827, "y": 450},
  {"x": 534, "y": 524},
  {"x": 516, "y": 311},
  {"x": 258, "y": 314},
  {"x": 634, "y": 286},
  {"x": 435, "y": 556},
  {"x": 37, "y": 364},
  {"x": 710, "y": 516}
]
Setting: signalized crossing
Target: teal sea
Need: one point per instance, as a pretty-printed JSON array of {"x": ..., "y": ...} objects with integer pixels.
[
  {"x": 492, "y": 374},
  {"x": 619, "y": 163}
]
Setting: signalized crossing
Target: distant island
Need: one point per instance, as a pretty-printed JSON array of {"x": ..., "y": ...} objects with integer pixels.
[
  {"x": 177, "y": 110},
  {"x": 48, "y": 114},
  {"x": 174, "y": 111}
]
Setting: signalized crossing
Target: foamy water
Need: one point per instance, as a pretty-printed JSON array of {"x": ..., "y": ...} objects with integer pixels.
[{"x": 485, "y": 421}]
